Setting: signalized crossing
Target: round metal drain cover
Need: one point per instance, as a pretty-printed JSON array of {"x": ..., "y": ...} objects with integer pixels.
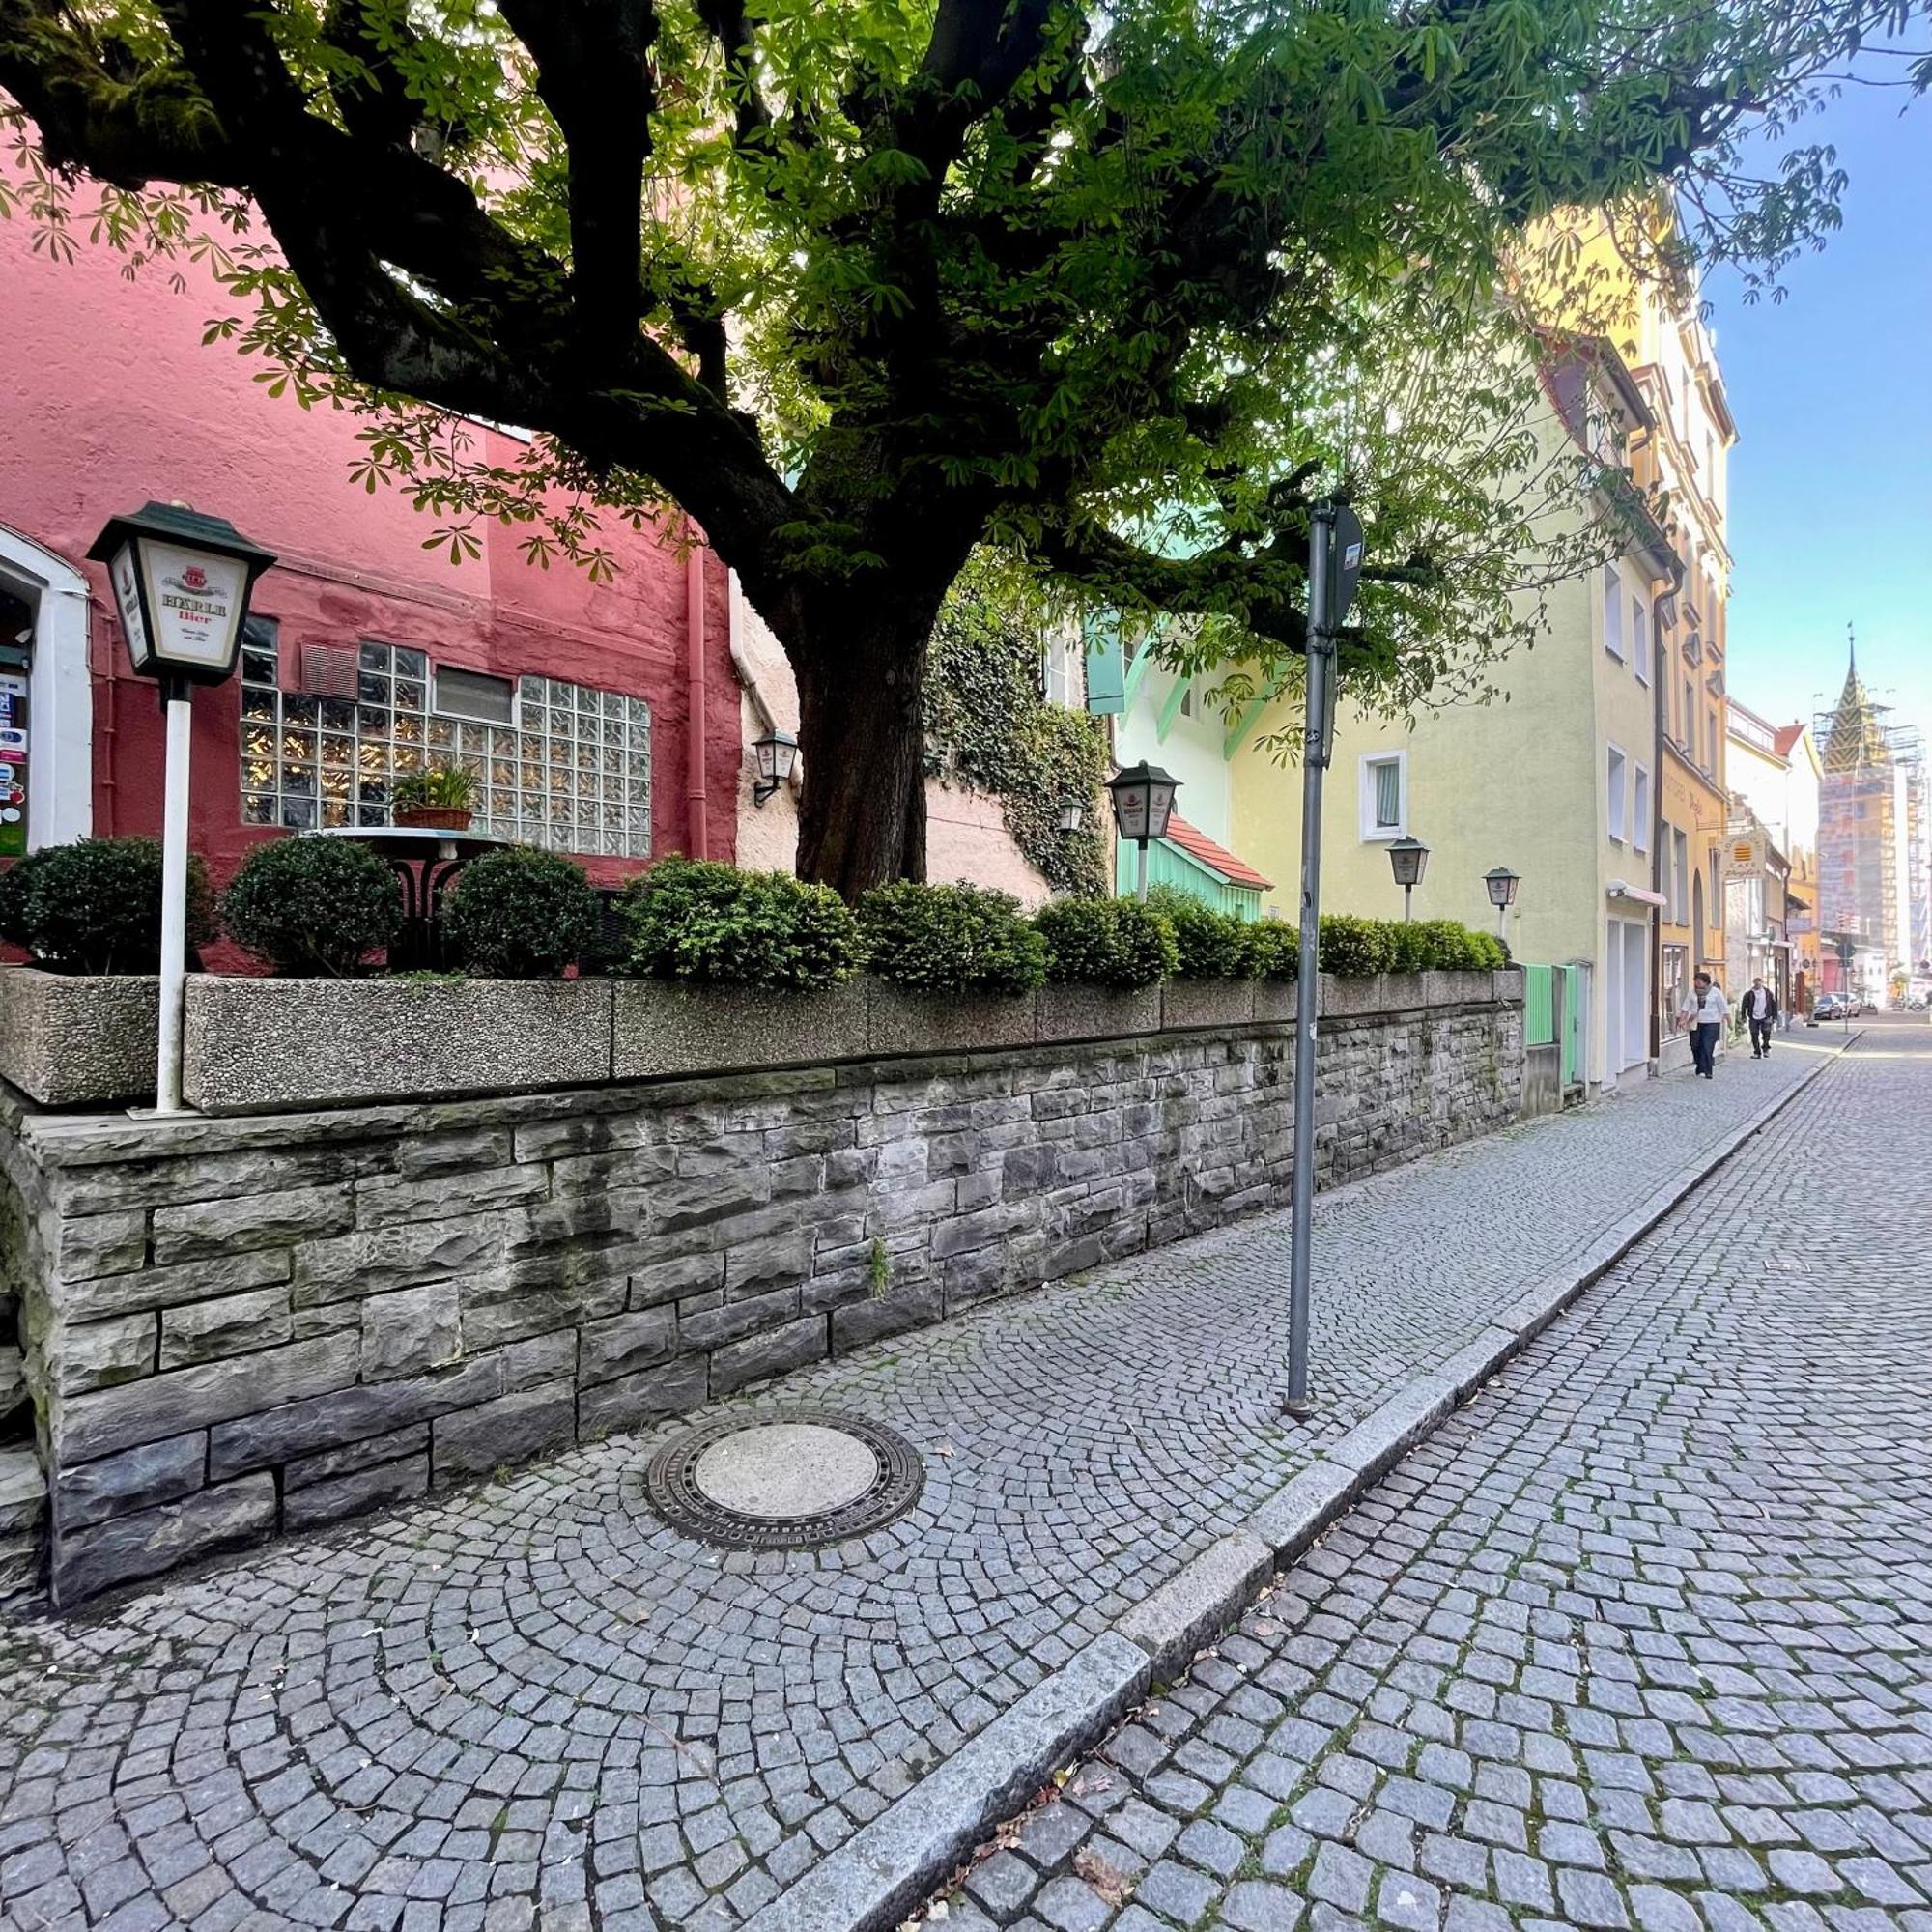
[{"x": 790, "y": 1479}]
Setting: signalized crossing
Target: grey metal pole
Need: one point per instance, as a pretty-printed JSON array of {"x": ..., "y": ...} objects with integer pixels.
[{"x": 1317, "y": 740}]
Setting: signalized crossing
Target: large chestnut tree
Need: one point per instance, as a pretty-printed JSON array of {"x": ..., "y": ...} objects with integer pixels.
[{"x": 859, "y": 285}]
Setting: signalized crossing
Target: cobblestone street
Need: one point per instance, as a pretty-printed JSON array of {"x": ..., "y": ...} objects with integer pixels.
[
  {"x": 533, "y": 1703},
  {"x": 1640, "y": 1637}
]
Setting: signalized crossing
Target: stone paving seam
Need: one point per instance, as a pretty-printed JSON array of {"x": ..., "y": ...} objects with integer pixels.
[{"x": 870, "y": 1882}]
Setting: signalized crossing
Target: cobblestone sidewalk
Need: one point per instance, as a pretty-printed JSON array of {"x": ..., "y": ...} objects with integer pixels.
[
  {"x": 534, "y": 1703},
  {"x": 1641, "y": 1638}
]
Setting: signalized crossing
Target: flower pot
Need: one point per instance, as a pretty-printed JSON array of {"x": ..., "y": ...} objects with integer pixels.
[
  {"x": 433, "y": 817},
  {"x": 76, "y": 1039}
]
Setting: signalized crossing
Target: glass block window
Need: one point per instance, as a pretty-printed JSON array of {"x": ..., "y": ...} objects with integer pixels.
[{"x": 573, "y": 773}]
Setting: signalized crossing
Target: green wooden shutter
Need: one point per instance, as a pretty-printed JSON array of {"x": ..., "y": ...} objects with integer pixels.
[{"x": 1106, "y": 668}]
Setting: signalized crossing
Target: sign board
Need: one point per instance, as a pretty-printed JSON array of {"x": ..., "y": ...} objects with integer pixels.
[
  {"x": 1344, "y": 568},
  {"x": 194, "y": 597},
  {"x": 1130, "y": 813},
  {"x": 1745, "y": 856}
]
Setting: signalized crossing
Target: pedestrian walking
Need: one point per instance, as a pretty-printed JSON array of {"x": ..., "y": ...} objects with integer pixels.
[
  {"x": 1761, "y": 1011},
  {"x": 1705, "y": 1013}
]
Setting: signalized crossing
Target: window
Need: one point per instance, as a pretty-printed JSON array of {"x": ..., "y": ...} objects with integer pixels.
[
  {"x": 1711, "y": 741},
  {"x": 1640, "y": 812},
  {"x": 1613, "y": 611},
  {"x": 1619, "y": 802},
  {"x": 1384, "y": 795},
  {"x": 1686, "y": 722},
  {"x": 572, "y": 773},
  {"x": 1057, "y": 671},
  {"x": 1188, "y": 703},
  {"x": 1680, "y": 878},
  {"x": 469, "y": 694},
  {"x": 1640, "y": 639}
]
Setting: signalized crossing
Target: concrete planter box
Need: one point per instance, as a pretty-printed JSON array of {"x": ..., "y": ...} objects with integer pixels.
[
  {"x": 255, "y": 1045},
  {"x": 1274, "y": 1002},
  {"x": 662, "y": 1028},
  {"x": 70, "y": 1040},
  {"x": 1076, "y": 1012},
  {"x": 1207, "y": 1003},
  {"x": 1506, "y": 985},
  {"x": 914, "y": 1023},
  {"x": 1349, "y": 997}
]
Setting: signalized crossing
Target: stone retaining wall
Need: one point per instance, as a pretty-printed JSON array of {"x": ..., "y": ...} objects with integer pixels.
[{"x": 248, "y": 1326}]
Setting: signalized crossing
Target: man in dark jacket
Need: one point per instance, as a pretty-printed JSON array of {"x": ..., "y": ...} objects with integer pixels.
[{"x": 1761, "y": 1010}]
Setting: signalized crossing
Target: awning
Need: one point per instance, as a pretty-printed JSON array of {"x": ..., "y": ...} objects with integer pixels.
[{"x": 1642, "y": 894}]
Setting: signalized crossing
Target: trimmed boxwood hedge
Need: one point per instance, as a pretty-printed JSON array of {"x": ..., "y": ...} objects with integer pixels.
[
  {"x": 1106, "y": 942},
  {"x": 523, "y": 913},
  {"x": 96, "y": 906},
  {"x": 710, "y": 923},
  {"x": 313, "y": 907},
  {"x": 951, "y": 938}
]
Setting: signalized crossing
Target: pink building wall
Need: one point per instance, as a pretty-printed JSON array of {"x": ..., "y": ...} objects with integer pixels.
[{"x": 108, "y": 398}]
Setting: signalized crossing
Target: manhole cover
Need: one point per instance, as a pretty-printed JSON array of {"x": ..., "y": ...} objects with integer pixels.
[{"x": 795, "y": 1479}]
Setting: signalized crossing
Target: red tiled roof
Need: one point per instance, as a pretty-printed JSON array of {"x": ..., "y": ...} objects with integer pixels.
[
  {"x": 1197, "y": 846},
  {"x": 1787, "y": 736}
]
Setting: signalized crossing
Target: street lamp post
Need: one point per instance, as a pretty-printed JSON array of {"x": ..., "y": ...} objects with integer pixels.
[
  {"x": 1408, "y": 860},
  {"x": 1335, "y": 547},
  {"x": 1142, "y": 803},
  {"x": 1502, "y": 884},
  {"x": 1072, "y": 816},
  {"x": 181, "y": 583}
]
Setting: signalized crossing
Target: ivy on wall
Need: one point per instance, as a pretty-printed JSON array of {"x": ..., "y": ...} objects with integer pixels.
[{"x": 988, "y": 727}]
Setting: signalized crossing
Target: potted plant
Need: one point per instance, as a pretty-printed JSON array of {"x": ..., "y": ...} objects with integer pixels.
[{"x": 438, "y": 797}]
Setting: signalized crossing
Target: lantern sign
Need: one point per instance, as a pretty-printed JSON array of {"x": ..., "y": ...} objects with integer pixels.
[{"x": 181, "y": 582}]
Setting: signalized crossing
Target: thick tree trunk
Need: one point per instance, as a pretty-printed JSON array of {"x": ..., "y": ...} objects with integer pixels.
[{"x": 861, "y": 817}]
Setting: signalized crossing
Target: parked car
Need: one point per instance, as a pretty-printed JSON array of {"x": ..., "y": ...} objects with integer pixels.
[{"x": 1829, "y": 1007}]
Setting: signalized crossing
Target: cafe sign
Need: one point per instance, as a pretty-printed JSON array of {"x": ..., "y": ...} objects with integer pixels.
[{"x": 180, "y": 585}]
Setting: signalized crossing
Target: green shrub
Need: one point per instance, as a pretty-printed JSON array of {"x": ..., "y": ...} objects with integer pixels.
[
  {"x": 1442, "y": 946},
  {"x": 1274, "y": 949},
  {"x": 14, "y": 884},
  {"x": 523, "y": 913},
  {"x": 1351, "y": 947},
  {"x": 1491, "y": 956},
  {"x": 313, "y": 907},
  {"x": 951, "y": 938},
  {"x": 96, "y": 906},
  {"x": 696, "y": 919},
  {"x": 1106, "y": 942},
  {"x": 1211, "y": 944}
]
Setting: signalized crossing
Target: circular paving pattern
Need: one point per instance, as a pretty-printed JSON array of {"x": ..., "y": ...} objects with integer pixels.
[{"x": 796, "y": 1479}]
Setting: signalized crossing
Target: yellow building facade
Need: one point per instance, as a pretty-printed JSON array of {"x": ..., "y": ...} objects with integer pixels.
[{"x": 1560, "y": 784}]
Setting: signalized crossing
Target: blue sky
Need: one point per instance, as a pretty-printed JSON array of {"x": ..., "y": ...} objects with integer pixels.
[{"x": 1830, "y": 512}]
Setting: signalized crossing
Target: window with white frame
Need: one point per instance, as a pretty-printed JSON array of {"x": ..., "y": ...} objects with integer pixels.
[
  {"x": 1618, "y": 774},
  {"x": 1640, "y": 638},
  {"x": 1613, "y": 611},
  {"x": 1640, "y": 812},
  {"x": 1057, "y": 670},
  {"x": 1384, "y": 784},
  {"x": 1680, "y": 878}
]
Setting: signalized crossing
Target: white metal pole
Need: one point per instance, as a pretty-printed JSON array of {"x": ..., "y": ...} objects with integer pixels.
[
  {"x": 174, "y": 902},
  {"x": 1142, "y": 894}
]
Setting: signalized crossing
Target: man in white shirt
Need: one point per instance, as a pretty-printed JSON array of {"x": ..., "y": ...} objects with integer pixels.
[
  {"x": 1705, "y": 1013},
  {"x": 1761, "y": 1010}
]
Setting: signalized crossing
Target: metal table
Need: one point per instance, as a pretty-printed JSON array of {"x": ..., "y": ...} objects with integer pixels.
[{"x": 425, "y": 861}]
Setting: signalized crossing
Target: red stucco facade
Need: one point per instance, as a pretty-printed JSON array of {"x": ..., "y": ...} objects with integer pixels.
[{"x": 108, "y": 398}]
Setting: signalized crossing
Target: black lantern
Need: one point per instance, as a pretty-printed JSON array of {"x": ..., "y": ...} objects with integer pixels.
[
  {"x": 181, "y": 583},
  {"x": 1072, "y": 816},
  {"x": 777, "y": 754},
  {"x": 1142, "y": 803},
  {"x": 1408, "y": 860},
  {"x": 1502, "y": 884}
]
